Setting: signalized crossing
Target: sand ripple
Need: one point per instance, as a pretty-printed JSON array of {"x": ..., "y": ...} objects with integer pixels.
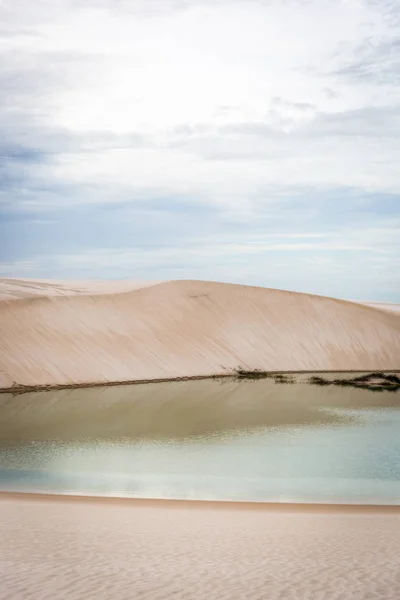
[{"x": 57, "y": 550}]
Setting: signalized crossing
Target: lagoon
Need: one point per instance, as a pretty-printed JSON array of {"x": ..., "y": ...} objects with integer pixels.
[{"x": 257, "y": 441}]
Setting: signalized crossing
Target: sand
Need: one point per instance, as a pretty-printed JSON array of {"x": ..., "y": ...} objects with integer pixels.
[
  {"x": 13, "y": 289},
  {"x": 383, "y": 306},
  {"x": 57, "y": 333},
  {"x": 69, "y": 548},
  {"x": 63, "y": 333}
]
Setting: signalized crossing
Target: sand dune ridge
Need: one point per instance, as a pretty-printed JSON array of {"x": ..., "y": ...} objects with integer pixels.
[{"x": 187, "y": 328}]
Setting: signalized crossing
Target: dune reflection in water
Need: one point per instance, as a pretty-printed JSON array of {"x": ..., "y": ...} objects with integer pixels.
[{"x": 204, "y": 439}]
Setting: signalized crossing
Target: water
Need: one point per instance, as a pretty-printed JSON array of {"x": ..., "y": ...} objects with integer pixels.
[{"x": 228, "y": 440}]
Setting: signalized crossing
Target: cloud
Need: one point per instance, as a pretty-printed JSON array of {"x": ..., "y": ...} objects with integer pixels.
[
  {"x": 293, "y": 245},
  {"x": 388, "y": 9},
  {"x": 319, "y": 263},
  {"x": 204, "y": 137},
  {"x": 377, "y": 62}
]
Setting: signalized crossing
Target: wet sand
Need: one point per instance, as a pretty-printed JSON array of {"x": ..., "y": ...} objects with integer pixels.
[{"x": 56, "y": 547}]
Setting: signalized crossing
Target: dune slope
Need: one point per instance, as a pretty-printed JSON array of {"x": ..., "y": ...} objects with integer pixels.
[{"x": 188, "y": 328}]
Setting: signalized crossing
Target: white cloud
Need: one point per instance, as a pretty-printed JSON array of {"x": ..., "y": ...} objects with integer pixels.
[
  {"x": 14, "y": 268},
  {"x": 114, "y": 71},
  {"x": 260, "y": 111}
]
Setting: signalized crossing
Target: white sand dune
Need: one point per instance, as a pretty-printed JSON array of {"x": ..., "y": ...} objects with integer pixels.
[
  {"x": 384, "y": 306},
  {"x": 57, "y": 333},
  {"x": 13, "y": 289},
  {"x": 69, "y": 549}
]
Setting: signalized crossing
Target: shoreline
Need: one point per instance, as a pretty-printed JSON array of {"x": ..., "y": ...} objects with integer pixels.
[
  {"x": 25, "y": 389},
  {"x": 224, "y": 505}
]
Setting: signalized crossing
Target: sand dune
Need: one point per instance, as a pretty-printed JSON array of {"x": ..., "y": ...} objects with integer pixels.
[
  {"x": 13, "y": 289},
  {"x": 122, "y": 331},
  {"x": 58, "y": 549},
  {"x": 383, "y": 306}
]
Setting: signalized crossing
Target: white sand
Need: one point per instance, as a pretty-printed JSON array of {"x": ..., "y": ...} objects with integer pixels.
[
  {"x": 384, "y": 306},
  {"x": 13, "y": 289},
  {"x": 72, "y": 549},
  {"x": 78, "y": 333}
]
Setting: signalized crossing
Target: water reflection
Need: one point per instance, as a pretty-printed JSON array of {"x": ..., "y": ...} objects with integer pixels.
[
  {"x": 179, "y": 409},
  {"x": 204, "y": 439}
]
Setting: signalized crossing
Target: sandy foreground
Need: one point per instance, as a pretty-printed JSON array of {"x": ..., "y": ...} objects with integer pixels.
[
  {"x": 61, "y": 333},
  {"x": 56, "y": 548}
]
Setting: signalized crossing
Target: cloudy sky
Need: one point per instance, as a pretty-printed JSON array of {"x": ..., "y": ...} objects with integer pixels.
[{"x": 251, "y": 141}]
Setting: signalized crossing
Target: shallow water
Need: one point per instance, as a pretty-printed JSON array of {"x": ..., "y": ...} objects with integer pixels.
[{"x": 254, "y": 441}]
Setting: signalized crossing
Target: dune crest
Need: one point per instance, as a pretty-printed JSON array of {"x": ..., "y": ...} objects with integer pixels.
[
  {"x": 14, "y": 289},
  {"x": 122, "y": 331}
]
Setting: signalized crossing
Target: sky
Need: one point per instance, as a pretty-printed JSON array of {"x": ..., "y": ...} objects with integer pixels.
[{"x": 247, "y": 141}]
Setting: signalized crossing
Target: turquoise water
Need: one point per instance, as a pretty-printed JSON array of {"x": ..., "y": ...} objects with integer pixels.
[{"x": 205, "y": 440}]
